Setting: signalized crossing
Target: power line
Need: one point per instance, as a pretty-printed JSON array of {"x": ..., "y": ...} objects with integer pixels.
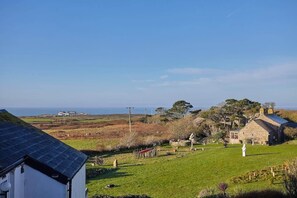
[{"x": 130, "y": 124}]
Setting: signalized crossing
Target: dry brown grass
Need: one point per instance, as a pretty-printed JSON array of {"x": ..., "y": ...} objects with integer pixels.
[
  {"x": 103, "y": 129},
  {"x": 290, "y": 115}
]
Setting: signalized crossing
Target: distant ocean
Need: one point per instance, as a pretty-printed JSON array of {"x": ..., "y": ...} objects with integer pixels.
[{"x": 89, "y": 111}]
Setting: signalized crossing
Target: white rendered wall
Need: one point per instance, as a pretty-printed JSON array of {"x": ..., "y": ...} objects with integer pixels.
[
  {"x": 18, "y": 184},
  {"x": 79, "y": 183},
  {"x": 38, "y": 185},
  {"x": 6, "y": 178}
]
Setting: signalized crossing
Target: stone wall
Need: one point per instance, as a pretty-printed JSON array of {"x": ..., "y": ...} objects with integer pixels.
[
  {"x": 180, "y": 143},
  {"x": 252, "y": 131}
]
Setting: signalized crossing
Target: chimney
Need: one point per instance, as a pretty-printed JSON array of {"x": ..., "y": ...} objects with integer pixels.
[
  {"x": 270, "y": 111},
  {"x": 262, "y": 111}
]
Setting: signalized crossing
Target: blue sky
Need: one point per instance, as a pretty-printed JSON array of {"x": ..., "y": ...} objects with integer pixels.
[{"x": 106, "y": 53}]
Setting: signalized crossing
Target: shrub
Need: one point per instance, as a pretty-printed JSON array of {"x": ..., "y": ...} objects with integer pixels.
[
  {"x": 181, "y": 128},
  {"x": 100, "y": 147},
  {"x": 206, "y": 193},
  {"x": 223, "y": 187},
  {"x": 125, "y": 196},
  {"x": 290, "y": 133},
  {"x": 290, "y": 180},
  {"x": 261, "y": 194},
  {"x": 130, "y": 140},
  {"x": 150, "y": 140},
  {"x": 98, "y": 160}
]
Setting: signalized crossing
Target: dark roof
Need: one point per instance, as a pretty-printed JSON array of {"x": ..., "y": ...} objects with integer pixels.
[
  {"x": 292, "y": 124},
  {"x": 19, "y": 141},
  {"x": 265, "y": 125},
  {"x": 277, "y": 119}
]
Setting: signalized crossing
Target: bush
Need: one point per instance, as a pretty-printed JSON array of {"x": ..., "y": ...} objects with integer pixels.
[
  {"x": 125, "y": 196},
  {"x": 261, "y": 194},
  {"x": 290, "y": 180},
  {"x": 206, "y": 193},
  {"x": 223, "y": 187},
  {"x": 290, "y": 133},
  {"x": 130, "y": 140},
  {"x": 100, "y": 147},
  {"x": 181, "y": 128}
]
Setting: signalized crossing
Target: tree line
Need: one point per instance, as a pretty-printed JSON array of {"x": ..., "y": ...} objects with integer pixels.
[{"x": 214, "y": 122}]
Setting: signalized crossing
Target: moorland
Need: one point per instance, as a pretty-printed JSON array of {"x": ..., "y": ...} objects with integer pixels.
[{"x": 174, "y": 172}]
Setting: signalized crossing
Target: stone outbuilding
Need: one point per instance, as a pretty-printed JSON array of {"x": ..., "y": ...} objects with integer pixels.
[{"x": 266, "y": 129}]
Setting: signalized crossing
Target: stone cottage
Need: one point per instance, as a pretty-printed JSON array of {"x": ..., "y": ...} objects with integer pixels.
[{"x": 266, "y": 129}]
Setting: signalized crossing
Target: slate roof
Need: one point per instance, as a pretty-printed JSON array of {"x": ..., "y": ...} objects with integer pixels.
[
  {"x": 21, "y": 141},
  {"x": 265, "y": 125},
  {"x": 276, "y": 119},
  {"x": 292, "y": 124}
]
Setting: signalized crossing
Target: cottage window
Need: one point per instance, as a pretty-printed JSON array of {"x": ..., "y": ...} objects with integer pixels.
[{"x": 234, "y": 135}]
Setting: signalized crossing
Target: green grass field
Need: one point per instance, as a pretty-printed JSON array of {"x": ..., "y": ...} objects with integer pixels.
[
  {"x": 79, "y": 119},
  {"x": 184, "y": 174},
  {"x": 91, "y": 144},
  {"x": 32, "y": 120}
]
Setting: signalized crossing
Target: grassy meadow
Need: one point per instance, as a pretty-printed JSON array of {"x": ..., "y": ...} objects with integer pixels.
[
  {"x": 184, "y": 174},
  {"x": 171, "y": 174},
  {"x": 92, "y": 144}
]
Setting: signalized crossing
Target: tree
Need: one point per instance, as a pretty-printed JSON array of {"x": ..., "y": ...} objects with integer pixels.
[
  {"x": 130, "y": 139},
  {"x": 195, "y": 112},
  {"x": 232, "y": 113},
  {"x": 203, "y": 131},
  {"x": 160, "y": 110},
  {"x": 269, "y": 105},
  {"x": 181, "y": 128},
  {"x": 179, "y": 109}
]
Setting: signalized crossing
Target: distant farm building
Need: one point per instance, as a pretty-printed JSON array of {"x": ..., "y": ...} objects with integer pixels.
[
  {"x": 34, "y": 164},
  {"x": 266, "y": 129},
  {"x": 67, "y": 113}
]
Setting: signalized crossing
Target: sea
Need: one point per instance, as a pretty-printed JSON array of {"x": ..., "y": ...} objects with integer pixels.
[
  {"x": 89, "y": 111},
  {"x": 25, "y": 111}
]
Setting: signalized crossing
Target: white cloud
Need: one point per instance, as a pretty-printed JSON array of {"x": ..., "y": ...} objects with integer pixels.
[
  {"x": 191, "y": 71},
  {"x": 282, "y": 72},
  {"x": 164, "y": 76},
  {"x": 270, "y": 74},
  {"x": 143, "y": 81},
  {"x": 266, "y": 83}
]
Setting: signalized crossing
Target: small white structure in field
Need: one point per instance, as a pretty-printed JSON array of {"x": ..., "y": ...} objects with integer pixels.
[
  {"x": 115, "y": 163},
  {"x": 243, "y": 150},
  {"x": 192, "y": 138}
]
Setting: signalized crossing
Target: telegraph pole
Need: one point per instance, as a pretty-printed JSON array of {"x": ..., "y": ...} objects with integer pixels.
[{"x": 130, "y": 124}]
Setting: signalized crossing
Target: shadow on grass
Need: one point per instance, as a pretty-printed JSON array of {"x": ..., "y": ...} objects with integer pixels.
[
  {"x": 92, "y": 153},
  {"x": 166, "y": 155},
  {"x": 250, "y": 155},
  {"x": 128, "y": 165},
  {"x": 109, "y": 175}
]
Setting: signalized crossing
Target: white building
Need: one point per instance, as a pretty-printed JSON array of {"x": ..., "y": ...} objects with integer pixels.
[
  {"x": 33, "y": 164},
  {"x": 63, "y": 113}
]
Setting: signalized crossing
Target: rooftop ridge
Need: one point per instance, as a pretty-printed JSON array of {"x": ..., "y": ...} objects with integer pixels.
[{"x": 38, "y": 145}]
